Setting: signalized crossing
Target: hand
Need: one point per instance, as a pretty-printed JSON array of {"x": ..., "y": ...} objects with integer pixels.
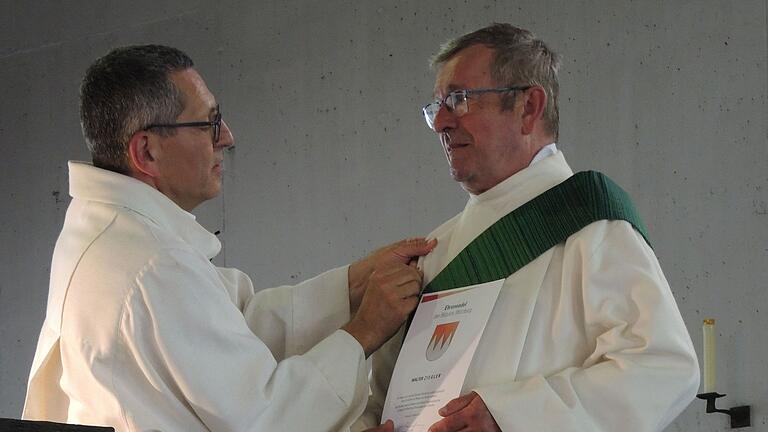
[
  {"x": 402, "y": 252},
  {"x": 465, "y": 413},
  {"x": 388, "y": 426},
  {"x": 393, "y": 292}
]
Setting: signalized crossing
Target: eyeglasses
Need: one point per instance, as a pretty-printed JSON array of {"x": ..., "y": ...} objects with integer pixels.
[
  {"x": 214, "y": 124},
  {"x": 456, "y": 102}
]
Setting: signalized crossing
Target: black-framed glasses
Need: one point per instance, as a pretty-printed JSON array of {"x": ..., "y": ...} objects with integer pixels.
[
  {"x": 456, "y": 102},
  {"x": 214, "y": 124}
]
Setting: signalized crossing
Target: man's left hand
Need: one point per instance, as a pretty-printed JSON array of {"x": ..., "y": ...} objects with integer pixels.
[
  {"x": 403, "y": 252},
  {"x": 465, "y": 413},
  {"x": 388, "y": 426}
]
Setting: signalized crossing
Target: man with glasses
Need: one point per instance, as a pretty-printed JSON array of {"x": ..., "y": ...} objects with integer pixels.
[
  {"x": 585, "y": 334},
  {"x": 142, "y": 331}
]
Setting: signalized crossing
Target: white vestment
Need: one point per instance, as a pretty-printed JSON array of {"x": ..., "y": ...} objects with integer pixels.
[
  {"x": 142, "y": 332},
  {"x": 586, "y": 337}
]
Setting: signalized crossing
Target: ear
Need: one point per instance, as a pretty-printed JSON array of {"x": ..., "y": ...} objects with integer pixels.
[
  {"x": 533, "y": 109},
  {"x": 142, "y": 151}
]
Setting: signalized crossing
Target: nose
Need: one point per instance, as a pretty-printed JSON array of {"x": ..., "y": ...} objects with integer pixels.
[
  {"x": 226, "y": 139},
  {"x": 444, "y": 120}
]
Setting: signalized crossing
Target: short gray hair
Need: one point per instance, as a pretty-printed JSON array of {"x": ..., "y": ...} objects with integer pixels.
[
  {"x": 125, "y": 91},
  {"x": 520, "y": 59}
]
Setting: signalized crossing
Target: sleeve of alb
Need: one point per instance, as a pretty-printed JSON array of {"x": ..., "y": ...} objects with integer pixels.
[
  {"x": 293, "y": 319},
  {"x": 643, "y": 370},
  {"x": 183, "y": 315}
]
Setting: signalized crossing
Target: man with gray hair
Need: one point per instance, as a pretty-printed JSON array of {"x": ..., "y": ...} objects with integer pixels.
[
  {"x": 142, "y": 331},
  {"x": 585, "y": 334}
]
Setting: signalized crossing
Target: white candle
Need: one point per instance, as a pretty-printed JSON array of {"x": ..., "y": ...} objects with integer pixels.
[{"x": 708, "y": 329}]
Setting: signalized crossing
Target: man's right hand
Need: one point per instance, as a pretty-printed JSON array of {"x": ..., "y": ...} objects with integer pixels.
[
  {"x": 393, "y": 292},
  {"x": 403, "y": 252}
]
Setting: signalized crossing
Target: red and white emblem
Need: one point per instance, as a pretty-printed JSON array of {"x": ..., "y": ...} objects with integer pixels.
[{"x": 441, "y": 340}]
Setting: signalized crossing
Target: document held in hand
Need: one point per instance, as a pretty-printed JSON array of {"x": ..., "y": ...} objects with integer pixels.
[{"x": 436, "y": 354}]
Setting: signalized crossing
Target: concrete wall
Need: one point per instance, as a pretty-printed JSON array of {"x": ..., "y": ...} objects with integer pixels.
[{"x": 333, "y": 157}]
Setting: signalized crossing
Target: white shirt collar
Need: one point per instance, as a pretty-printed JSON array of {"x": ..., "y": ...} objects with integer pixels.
[
  {"x": 508, "y": 184},
  {"x": 95, "y": 184},
  {"x": 532, "y": 178},
  {"x": 547, "y": 150}
]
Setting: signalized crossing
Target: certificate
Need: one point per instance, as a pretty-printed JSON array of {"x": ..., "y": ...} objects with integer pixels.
[{"x": 436, "y": 354}]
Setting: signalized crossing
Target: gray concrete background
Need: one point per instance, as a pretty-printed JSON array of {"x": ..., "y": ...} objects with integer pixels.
[{"x": 333, "y": 157}]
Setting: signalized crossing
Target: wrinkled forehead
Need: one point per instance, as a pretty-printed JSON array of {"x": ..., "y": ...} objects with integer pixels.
[{"x": 470, "y": 68}]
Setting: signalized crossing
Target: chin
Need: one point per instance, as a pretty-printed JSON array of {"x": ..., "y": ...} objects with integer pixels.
[
  {"x": 459, "y": 176},
  {"x": 211, "y": 193},
  {"x": 214, "y": 193}
]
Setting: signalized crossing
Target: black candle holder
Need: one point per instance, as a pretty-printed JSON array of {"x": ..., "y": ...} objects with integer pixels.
[{"x": 740, "y": 415}]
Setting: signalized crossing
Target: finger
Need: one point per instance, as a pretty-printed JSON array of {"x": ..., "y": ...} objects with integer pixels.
[
  {"x": 410, "y": 303},
  {"x": 453, "y": 423},
  {"x": 408, "y": 288},
  {"x": 456, "y": 404},
  {"x": 411, "y": 240},
  {"x": 404, "y": 243},
  {"x": 388, "y": 426},
  {"x": 408, "y": 292},
  {"x": 400, "y": 275},
  {"x": 410, "y": 274},
  {"x": 387, "y": 271},
  {"x": 416, "y": 247}
]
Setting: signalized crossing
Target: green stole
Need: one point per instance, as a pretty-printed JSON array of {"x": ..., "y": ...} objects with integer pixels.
[{"x": 535, "y": 227}]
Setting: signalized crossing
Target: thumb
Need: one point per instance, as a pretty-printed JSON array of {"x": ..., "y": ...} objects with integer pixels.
[
  {"x": 387, "y": 426},
  {"x": 456, "y": 404}
]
